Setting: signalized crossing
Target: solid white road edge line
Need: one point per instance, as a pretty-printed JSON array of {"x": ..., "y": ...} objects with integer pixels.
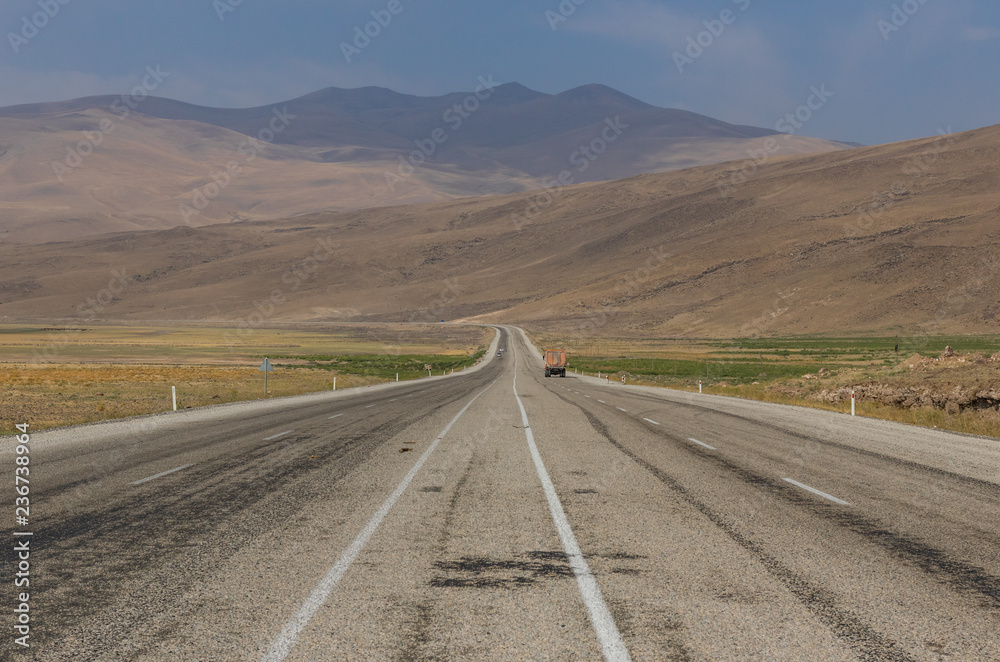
[
  {"x": 280, "y": 434},
  {"x": 160, "y": 475},
  {"x": 649, "y": 420},
  {"x": 285, "y": 641},
  {"x": 600, "y": 616},
  {"x": 701, "y": 443},
  {"x": 816, "y": 492}
]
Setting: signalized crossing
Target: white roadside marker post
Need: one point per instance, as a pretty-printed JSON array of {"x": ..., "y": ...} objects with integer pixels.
[
  {"x": 173, "y": 391},
  {"x": 852, "y": 402},
  {"x": 397, "y": 376},
  {"x": 699, "y": 386},
  {"x": 334, "y": 383}
]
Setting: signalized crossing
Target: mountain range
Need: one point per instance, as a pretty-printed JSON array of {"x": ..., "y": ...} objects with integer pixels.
[{"x": 95, "y": 165}]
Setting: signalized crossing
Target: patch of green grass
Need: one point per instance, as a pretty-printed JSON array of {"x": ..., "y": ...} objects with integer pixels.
[
  {"x": 384, "y": 366},
  {"x": 734, "y": 372}
]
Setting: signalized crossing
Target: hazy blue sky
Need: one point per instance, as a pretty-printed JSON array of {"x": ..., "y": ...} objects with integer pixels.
[{"x": 929, "y": 64}]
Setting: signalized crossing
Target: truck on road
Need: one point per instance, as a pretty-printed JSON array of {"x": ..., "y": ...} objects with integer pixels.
[{"x": 555, "y": 362}]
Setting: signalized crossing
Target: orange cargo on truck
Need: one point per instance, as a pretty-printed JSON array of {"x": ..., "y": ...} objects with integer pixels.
[{"x": 555, "y": 362}]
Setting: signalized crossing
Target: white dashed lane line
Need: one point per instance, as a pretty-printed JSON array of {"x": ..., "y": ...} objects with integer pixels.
[
  {"x": 336, "y": 416},
  {"x": 369, "y": 406},
  {"x": 649, "y": 420},
  {"x": 620, "y": 409},
  {"x": 279, "y": 435},
  {"x": 160, "y": 475},
  {"x": 602, "y": 402},
  {"x": 834, "y": 499},
  {"x": 701, "y": 443}
]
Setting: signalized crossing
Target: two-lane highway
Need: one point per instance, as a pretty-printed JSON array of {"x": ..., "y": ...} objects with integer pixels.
[{"x": 503, "y": 515}]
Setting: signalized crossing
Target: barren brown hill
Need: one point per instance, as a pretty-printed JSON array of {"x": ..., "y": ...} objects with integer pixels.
[
  {"x": 90, "y": 166},
  {"x": 902, "y": 237}
]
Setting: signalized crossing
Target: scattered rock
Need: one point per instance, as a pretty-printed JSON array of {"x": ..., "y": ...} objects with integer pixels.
[
  {"x": 823, "y": 372},
  {"x": 948, "y": 352}
]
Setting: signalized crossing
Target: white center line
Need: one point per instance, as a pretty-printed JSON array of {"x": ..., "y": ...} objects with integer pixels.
[
  {"x": 336, "y": 416},
  {"x": 160, "y": 475},
  {"x": 816, "y": 492},
  {"x": 280, "y": 434},
  {"x": 701, "y": 443},
  {"x": 649, "y": 420},
  {"x": 620, "y": 409},
  {"x": 602, "y": 402},
  {"x": 600, "y": 616},
  {"x": 285, "y": 641},
  {"x": 369, "y": 406}
]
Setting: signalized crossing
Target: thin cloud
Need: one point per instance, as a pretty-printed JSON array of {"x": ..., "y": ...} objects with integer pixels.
[{"x": 980, "y": 33}]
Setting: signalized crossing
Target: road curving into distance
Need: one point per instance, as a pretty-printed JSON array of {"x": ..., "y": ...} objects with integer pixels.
[{"x": 475, "y": 517}]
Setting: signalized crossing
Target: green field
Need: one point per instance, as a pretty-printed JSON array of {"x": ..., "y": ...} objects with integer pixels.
[
  {"x": 383, "y": 366},
  {"x": 906, "y": 379}
]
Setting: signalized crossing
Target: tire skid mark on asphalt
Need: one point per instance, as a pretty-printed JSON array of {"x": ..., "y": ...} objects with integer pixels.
[
  {"x": 600, "y": 616},
  {"x": 869, "y": 644},
  {"x": 286, "y": 639},
  {"x": 992, "y": 487},
  {"x": 102, "y": 530},
  {"x": 953, "y": 573}
]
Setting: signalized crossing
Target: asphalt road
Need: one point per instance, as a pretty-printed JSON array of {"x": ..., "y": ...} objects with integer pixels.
[{"x": 452, "y": 519}]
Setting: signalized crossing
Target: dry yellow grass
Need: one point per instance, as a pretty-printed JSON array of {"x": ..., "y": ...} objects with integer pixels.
[
  {"x": 107, "y": 372},
  {"x": 46, "y": 396}
]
